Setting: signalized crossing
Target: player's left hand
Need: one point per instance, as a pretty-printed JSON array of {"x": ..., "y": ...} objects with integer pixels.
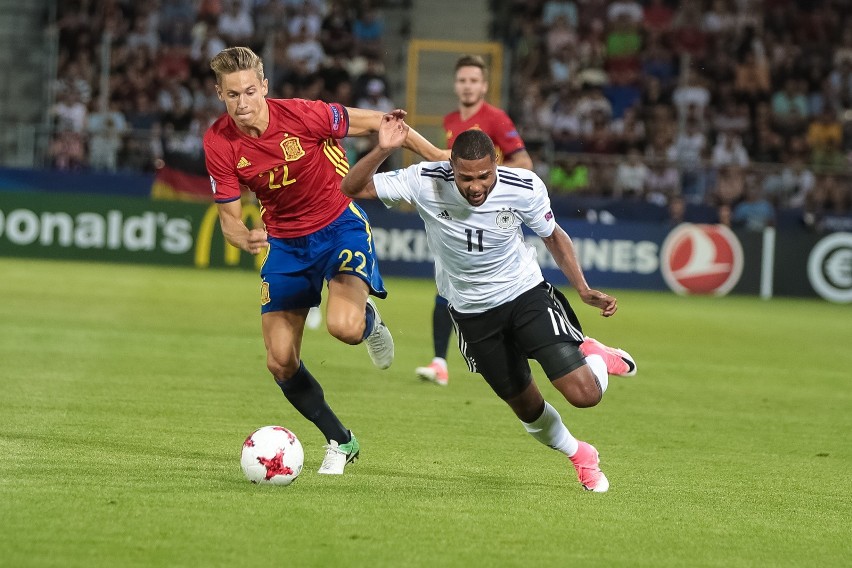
[{"x": 607, "y": 304}]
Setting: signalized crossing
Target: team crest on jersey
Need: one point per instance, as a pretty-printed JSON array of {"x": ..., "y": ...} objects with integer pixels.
[
  {"x": 264, "y": 293},
  {"x": 505, "y": 218},
  {"x": 292, "y": 148}
]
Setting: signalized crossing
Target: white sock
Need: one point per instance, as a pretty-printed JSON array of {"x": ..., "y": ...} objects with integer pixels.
[
  {"x": 598, "y": 367},
  {"x": 440, "y": 361},
  {"x": 550, "y": 431}
]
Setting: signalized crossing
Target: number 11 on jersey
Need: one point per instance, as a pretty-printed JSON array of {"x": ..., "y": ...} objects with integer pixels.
[{"x": 479, "y": 233}]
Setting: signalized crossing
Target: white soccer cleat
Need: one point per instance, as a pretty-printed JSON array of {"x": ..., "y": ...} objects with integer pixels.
[
  {"x": 337, "y": 456},
  {"x": 379, "y": 342}
]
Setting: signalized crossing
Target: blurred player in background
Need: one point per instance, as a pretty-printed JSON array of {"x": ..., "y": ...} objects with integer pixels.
[
  {"x": 471, "y": 86},
  {"x": 286, "y": 151},
  {"x": 504, "y": 311}
]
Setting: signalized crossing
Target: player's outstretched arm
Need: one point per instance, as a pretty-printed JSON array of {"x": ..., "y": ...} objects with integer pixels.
[
  {"x": 519, "y": 159},
  {"x": 363, "y": 122},
  {"x": 562, "y": 249},
  {"x": 359, "y": 180},
  {"x": 236, "y": 232}
]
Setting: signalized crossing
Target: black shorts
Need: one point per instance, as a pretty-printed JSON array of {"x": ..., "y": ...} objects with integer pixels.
[{"x": 498, "y": 342}]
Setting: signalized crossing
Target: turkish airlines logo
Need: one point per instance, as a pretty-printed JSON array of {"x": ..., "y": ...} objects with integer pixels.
[
  {"x": 702, "y": 259},
  {"x": 830, "y": 268}
]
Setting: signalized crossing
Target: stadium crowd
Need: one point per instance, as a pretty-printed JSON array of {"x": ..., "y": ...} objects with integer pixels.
[
  {"x": 160, "y": 97},
  {"x": 741, "y": 105},
  {"x": 744, "y": 105}
]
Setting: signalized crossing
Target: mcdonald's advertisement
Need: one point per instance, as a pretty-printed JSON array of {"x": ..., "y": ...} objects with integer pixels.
[{"x": 118, "y": 229}]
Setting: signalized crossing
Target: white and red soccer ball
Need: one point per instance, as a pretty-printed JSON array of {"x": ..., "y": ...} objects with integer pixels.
[{"x": 272, "y": 455}]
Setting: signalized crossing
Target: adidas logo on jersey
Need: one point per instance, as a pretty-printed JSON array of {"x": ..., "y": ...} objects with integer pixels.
[
  {"x": 444, "y": 215},
  {"x": 243, "y": 163}
]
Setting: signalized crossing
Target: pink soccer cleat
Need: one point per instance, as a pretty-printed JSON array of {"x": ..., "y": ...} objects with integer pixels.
[
  {"x": 586, "y": 461},
  {"x": 435, "y": 372},
  {"x": 618, "y": 361}
]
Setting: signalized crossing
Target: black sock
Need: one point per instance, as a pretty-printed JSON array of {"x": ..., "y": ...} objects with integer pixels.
[
  {"x": 442, "y": 327},
  {"x": 306, "y": 395}
]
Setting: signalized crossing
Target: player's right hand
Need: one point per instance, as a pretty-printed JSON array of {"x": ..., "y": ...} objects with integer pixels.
[{"x": 257, "y": 242}]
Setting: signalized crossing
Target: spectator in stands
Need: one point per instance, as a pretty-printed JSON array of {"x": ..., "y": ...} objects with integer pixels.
[
  {"x": 657, "y": 17},
  {"x": 599, "y": 139},
  {"x": 755, "y": 212},
  {"x": 793, "y": 183},
  {"x": 560, "y": 34},
  {"x": 676, "y": 211},
  {"x": 67, "y": 150},
  {"x": 687, "y": 34},
  {"x": 374, "y": 69},
  {"x": 69, "y": 112},
  {"x": 752, "y": 79},
  {"x": 730, "y": 186},
  {"x": 729, "y": 151},
  {"x": 662, "y": 183},
  {"x": 687, "y": 152},
  {"x": 824, "y": 130},
  {"x": 235, "y": 23},
  {"x": 629, "y": 131},
  {"x": 566, "y": 127},
  {"x": 554, "y": 9},
  {"x": 769, "y": 146},
  {"x": 631, "y": 176},
  {"x": 829, "y": 157},
  {"x": 306, "y": 17},
  {"x": 336, "y": 31},
  {"x": 106, "y": 130},
  {"x": 368, "y": 31},
  {"x": 592, "y": 47},
  {"x": 568, "y": 176},
  {"x": 691, "y": 97},
  {"x": 304, "y": 53},
  {"x": 536, "y": 117},
  {"x": 790, "y": 109},
  {"x": 658, "y": 61},
  {"x": 731, "y": 116},
  {"x": 105, "y": 143},
  {"x": 563, "y": 66}
]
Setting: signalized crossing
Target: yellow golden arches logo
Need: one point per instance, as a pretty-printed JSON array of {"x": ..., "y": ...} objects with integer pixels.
[{"x": 204, "y": 240}]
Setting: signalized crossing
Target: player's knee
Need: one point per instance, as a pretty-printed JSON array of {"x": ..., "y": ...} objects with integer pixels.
[
  {"x": 583, "y": 391},
  {"x": 281, "y": 367},
  {"x": 347, "y": 330}
]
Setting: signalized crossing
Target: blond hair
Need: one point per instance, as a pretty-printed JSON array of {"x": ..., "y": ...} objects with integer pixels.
[
  {"x": 472, "y": 61},
  {"x": 235, "y": 59}
]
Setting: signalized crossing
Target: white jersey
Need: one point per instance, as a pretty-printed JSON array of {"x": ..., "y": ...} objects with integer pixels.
[{"x": 481, "y": 260}]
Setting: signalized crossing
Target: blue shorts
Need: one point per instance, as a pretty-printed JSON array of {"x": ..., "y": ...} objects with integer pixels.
[{"x": 294, "y": 269}]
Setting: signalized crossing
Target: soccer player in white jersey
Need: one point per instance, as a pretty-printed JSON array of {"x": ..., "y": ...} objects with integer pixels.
[{"x": 503, "y": 309}]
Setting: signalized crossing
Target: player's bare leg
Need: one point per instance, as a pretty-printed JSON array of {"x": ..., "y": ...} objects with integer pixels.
[
  {"x": 352, "y": 317},
  {"x": 282, "y": 335},
  {"x": 544, "y": 423},
  {"x": 584, "y": 386}
]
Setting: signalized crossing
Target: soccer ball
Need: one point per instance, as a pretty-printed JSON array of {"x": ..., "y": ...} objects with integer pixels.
[{"x": 272, "y": 455}]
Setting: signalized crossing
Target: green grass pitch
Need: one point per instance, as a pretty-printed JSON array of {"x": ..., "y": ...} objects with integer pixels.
[{"x": 126, "y": 392}]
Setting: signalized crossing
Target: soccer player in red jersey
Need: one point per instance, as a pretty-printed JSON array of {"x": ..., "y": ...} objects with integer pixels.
[
  {"x": 286, "y": 151},
  {"x": 471, "y": 86}
]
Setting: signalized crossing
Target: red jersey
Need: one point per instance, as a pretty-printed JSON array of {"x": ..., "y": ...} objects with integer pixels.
[
  {"x": 491, "y": 120},
  {"x": 294, "y": 167}
]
